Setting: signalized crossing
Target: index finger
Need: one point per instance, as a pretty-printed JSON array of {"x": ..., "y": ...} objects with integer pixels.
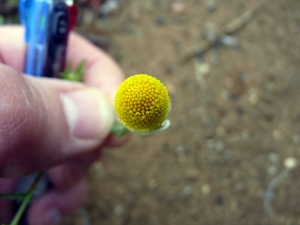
[{"x": 101, "y": 70}]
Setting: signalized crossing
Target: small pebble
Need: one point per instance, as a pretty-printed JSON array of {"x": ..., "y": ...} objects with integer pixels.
[
  {"x": 226, "y": 154},
  {"x": 187, "y": 191},
  {"x": 245, "y": 134},
  {"x": 169, "y": 70},
  {"x": 111, "y": 6},
  {"x": 205, "y": 189},
  {"x": 229, "y": 41},
  {"x": 192, "y": 175},
  {"x": 273, "y": 157},
  {"x": 220, "y": 200},
  {"x": 240, "y": 185},
  {"x": 160, "y": 5},
  {"x": 296, "y": 138},
  {"x": 225, "y": 94},
  {"x": 139, "y": 34},
  {"x": 179, "y": 8},
  {"x": 277, "y": 134},
  {"x": 233, "y": 96},
  {"x": 211, "y": 5},
  {"x": 220, "y": 131},
  {"x": 272, "y": 170},
  {"x": 240, "y": 111},
  {"x": 290, "y": 163},
  {"x": 211, "y": 143},
  {"x": 87, "y": 17},
  {"x": 253, "y": 98},
  {"x": 135, "y": 15},
  {"x": 220, "y": 146},
  {"x": 229, "y": 82},
  {"x": 152, "y": 183},
  {"x": 171, "y": 87},
  {"x": 180, "y": 150},
  {"x": 234, "y": 206},
  {"x": 182, "y": 159},
  {"x": 170, "y": 195},
  {"x": 209, "y": 121},
  {"x": 160, "y": 21},
  {"x": 204, "y": 68},
  {"x": 271, "y": 87},
  {"x": 118, "y": 210}
]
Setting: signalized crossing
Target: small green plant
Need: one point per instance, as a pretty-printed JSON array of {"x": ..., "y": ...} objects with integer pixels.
[
  {"x": 24, "y": 198},
  {"x": 76, "y": 74}
]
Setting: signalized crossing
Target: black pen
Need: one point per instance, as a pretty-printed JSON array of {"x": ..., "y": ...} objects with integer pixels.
[{"x": 47, "y": 26}]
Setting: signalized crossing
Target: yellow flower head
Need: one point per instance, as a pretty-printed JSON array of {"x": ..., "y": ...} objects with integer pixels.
[{"x": 142, "y": 103}]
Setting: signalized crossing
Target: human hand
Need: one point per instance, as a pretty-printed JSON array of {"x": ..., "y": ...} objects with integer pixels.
[{"x": 54, "y": 125}]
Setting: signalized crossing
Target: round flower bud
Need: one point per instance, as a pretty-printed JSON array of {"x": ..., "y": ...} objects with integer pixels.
[{"x": 142, "y": 103}]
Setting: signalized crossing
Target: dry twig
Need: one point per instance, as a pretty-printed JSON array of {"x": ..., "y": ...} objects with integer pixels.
[{"x": 228, "y": 29}]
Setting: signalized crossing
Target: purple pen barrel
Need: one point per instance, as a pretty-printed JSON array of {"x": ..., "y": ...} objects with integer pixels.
[{"x": 58, "y": 32}]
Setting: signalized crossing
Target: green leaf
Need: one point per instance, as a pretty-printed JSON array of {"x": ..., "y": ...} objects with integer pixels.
[
  {"x": 80, "y": 68},
  {"x": 76, "y": 74},
  {"x": 1, "y": 20},
  {"x": 119, "y": 129},
  {"x": 13, "y": 3}
]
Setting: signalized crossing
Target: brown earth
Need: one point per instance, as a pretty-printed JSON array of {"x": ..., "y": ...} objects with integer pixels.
[{"x": 229, "y": 156}]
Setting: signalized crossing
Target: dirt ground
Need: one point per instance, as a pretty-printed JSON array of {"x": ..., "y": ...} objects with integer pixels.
[{"x": 231, "y": 153}]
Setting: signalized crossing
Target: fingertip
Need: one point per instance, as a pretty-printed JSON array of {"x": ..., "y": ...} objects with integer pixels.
[
  {"x": 101, "y": 69},
  {"x": 12, "y": 42}
]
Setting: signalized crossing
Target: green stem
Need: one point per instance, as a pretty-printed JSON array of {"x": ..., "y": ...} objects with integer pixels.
[{"x": 26, "y": 200}]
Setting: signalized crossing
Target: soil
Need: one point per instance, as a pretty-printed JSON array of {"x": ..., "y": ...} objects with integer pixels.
[{"x": 231, "y": 153}]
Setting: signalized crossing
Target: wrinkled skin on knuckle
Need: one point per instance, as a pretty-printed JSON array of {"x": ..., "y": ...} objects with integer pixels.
[{"x": 18, "y": 123}]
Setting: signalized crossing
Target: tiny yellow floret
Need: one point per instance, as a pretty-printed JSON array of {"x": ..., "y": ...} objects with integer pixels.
[{"x": 142, "y": 103}]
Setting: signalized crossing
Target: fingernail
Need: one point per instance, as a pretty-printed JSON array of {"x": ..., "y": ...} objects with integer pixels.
[
  {"x": 89, "y": 113},
  {"x": 52, "y": 217}
]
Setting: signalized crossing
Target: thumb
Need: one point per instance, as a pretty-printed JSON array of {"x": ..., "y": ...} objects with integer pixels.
[{"x": 44, "y": 122}]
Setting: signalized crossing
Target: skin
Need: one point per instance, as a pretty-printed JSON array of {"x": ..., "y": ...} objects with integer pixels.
[{"x": 27, "y": 147}]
